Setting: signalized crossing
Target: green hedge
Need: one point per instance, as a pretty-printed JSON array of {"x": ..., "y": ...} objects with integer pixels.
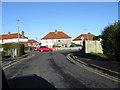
[
  {"x": 29, "y": 48},
  {"x": 5, "y": 46},
  {"x": 111, "y": 41},
  {"x": 19, "y": 47}
]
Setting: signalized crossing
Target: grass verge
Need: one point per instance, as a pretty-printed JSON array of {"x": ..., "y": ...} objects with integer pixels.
[{"x": 96, "y": 54}]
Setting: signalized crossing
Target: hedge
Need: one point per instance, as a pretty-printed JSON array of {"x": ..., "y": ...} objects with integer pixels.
[
  {"x": 29, "y": 48},
  {"x": 111, "y": 41},
  {"x": 5, "y": 46},
  {"x": 19, "y": 47}
]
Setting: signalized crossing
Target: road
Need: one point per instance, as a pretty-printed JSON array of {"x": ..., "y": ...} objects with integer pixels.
[{"x": 53, "y": 70}]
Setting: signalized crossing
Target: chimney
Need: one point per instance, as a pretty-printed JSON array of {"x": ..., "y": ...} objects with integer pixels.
[
  {"x": 56, "y": 31},
  {"x": 8, "y": 33},
  {"x": 89, "y": 34},
  {"x": 22, "y": 34}
]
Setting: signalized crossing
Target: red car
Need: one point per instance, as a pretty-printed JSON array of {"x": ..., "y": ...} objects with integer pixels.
[{"x": 43, "y": 48}]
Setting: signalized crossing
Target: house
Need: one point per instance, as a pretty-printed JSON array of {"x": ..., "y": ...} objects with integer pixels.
[
  {"x": 33, "y": 43},
  {"x": 14, "y": 38},
  {"x": 56, "y": 39},
  {"x": 80, "y": 38}
]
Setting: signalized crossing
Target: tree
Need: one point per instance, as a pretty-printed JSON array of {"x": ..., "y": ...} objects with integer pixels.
[
  {"x": 97, "y": 37},
  {"x": 111, "y": 41}
]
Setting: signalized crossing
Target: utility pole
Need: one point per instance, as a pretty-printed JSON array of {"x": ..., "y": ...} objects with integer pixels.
[{"x": 18, "y": 29}]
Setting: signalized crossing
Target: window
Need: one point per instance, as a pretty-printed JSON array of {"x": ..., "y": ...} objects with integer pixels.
[
  {"x": 58, "y": 40},
  {"x": 65, "y": 45}
]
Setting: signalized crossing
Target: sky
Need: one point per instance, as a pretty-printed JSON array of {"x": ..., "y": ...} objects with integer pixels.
[{"x": 73, "y": 18}]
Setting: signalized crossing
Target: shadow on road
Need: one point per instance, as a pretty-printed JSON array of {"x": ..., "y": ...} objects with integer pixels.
[{"x": 32, "y": 81}]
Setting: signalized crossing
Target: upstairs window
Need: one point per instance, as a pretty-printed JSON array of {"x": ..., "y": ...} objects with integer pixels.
[{"x": 58, "y": 40}]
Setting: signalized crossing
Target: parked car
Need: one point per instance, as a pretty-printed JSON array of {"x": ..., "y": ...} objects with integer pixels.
[{"x": 43, "y": 48}]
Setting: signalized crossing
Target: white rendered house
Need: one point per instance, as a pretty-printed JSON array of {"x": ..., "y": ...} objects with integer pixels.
[
  {"x": 14, "y": 38},
  {"x": 56, "y": 39},
  {"x": 80, "y": 38}
]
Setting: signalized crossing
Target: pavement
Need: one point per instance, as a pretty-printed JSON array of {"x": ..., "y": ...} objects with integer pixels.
[
  {"x": 110, "y": 66},
  {"x": 12, "y": 60}
]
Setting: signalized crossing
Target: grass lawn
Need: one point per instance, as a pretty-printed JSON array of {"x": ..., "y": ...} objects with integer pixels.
[{"x": 97, "y": 54}]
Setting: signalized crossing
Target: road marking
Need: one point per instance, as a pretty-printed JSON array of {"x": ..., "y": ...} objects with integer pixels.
[
  {"x": 17, "y": 62},
  {"x": 93, "y": 70}
]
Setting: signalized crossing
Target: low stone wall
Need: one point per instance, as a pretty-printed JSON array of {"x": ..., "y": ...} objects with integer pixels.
[
  {"x": 68, "y": 48},
  {"x": 93, "y": 46}
]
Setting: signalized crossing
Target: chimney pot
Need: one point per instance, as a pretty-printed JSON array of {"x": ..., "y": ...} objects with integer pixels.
[
  {"x": 22, "y": 34},
  {"x": 56, "y": 31},
  {"x": 8, "y": 33}
]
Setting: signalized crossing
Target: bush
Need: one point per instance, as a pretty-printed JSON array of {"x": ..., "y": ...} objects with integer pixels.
[
  {"x": 96, "y": 37},
  {"x": 73, "y": 44},
  {"x": 111, "y": 41}
]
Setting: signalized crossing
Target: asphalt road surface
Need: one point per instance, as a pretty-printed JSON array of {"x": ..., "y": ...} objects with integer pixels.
[{"x": 53, "y": 70}]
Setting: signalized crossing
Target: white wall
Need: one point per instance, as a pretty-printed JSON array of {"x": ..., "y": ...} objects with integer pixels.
[
  {"x": 78, "y": 42},
  {"x": 93, "y": 46},
  {"x": 51, "y": 42},
  {"x": 13, "y": 40},
  {"x": 68, "y": 48},
  {"x": 47, "y": 42},
  {"x": 0, "y": 41}
]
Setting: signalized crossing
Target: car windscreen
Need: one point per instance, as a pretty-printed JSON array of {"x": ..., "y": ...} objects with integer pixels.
[{"x": 43, "y": 47}]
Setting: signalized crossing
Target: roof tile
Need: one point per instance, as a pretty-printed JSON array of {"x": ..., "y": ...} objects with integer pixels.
[
  {"x": 86, "y": 37},
  {"x": 58, "y": 35},
  {"x": 11, "y": 36}
]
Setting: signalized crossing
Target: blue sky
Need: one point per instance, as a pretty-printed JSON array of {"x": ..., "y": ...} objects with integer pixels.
[{"x": 73, "y": 18}]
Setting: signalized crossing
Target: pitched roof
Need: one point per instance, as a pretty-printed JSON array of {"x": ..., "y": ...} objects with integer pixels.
[
  {"x": 86, "y": 37},
  {"x": 58, "y": 35},
  {"x": 32, "y": 41},
  {"x": 11, "y": 36}
]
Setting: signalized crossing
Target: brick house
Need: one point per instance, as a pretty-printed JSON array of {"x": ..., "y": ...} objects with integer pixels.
[
  {"x": 80, "y": 38},
  {"x": 56, "y": 39}
]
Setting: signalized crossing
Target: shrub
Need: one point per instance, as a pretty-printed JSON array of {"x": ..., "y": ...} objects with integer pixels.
[
  {"x": 73, "y": 44},
  {"x": 111, "y": 41}
]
